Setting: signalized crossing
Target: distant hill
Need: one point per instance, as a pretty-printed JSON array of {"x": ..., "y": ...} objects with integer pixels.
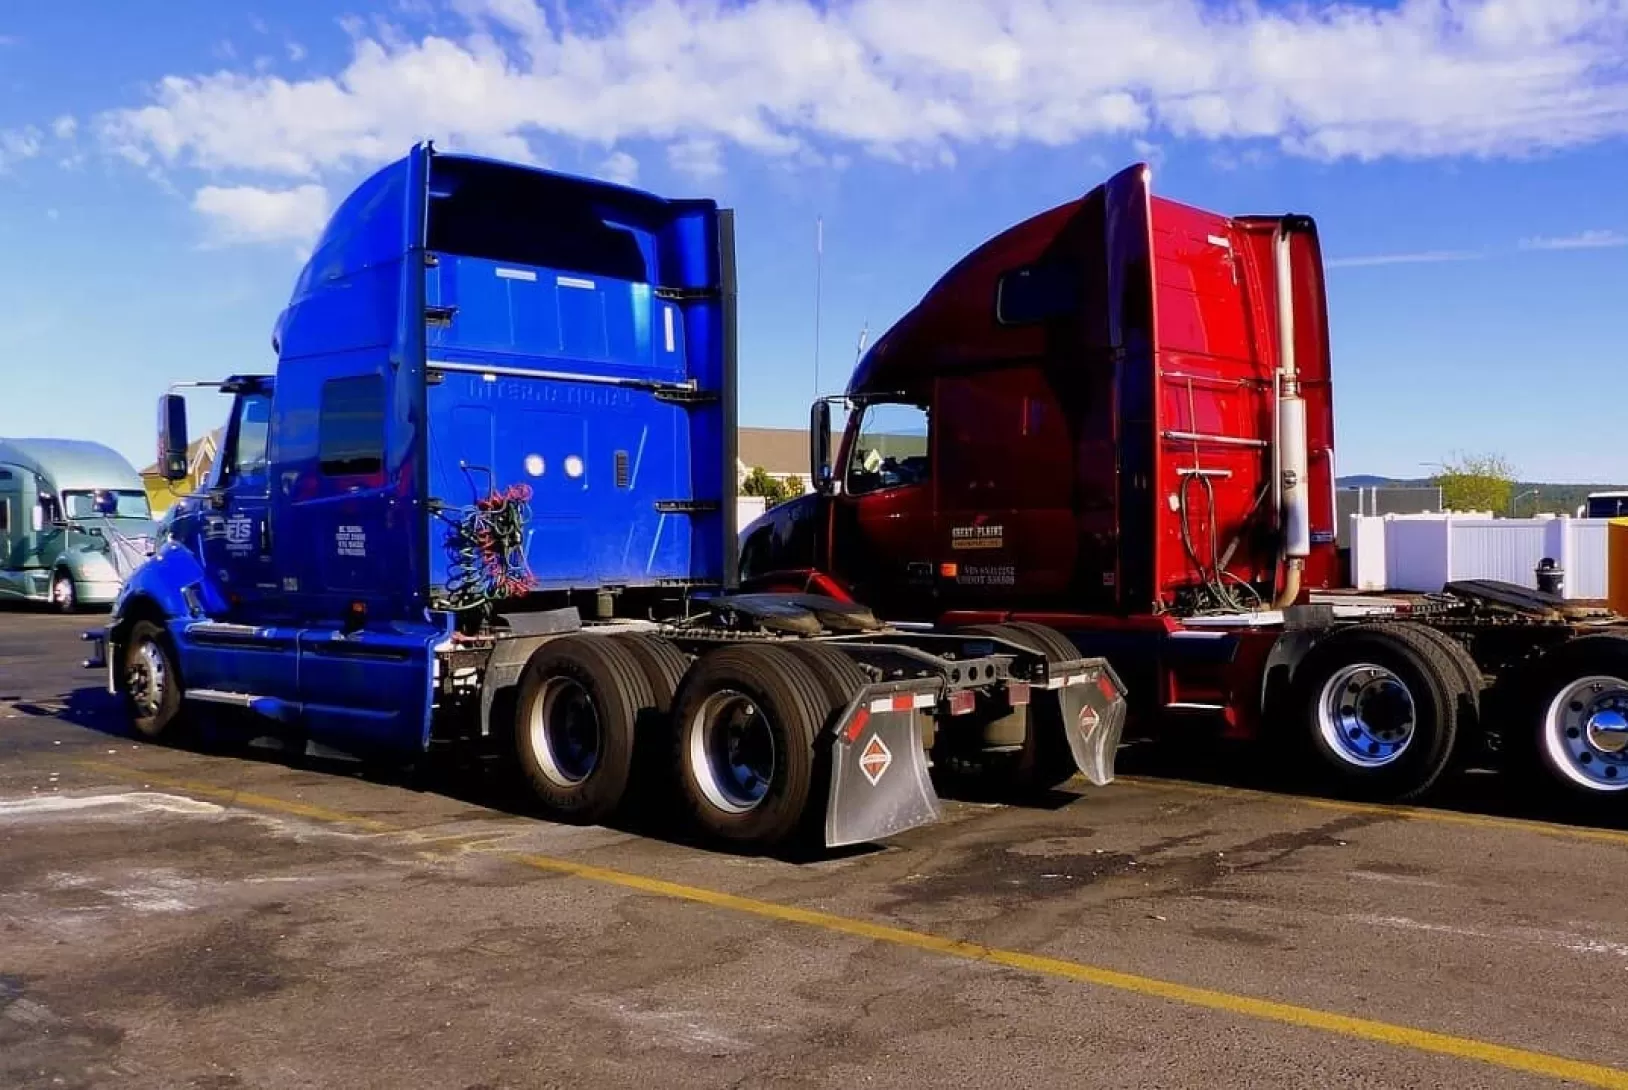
[{"x": 1552, "y": 497}]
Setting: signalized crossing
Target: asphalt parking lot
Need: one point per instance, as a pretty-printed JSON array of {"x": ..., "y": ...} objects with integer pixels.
[{"x": 186, "y": 919}]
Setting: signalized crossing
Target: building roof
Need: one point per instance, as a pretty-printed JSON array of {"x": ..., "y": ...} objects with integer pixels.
[{"x": 775, "y": 450}]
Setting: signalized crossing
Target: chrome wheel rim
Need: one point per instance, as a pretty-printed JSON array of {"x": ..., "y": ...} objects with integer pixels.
[
  {"x": 62, "y": 590},
  {"x": 1585, "y": 732},
  {"x": 146, "y": 679},
  {"x": 732, "y": 751},
  {"x": 1367, "y": 715},
  {"x": 565, "y": 733}
]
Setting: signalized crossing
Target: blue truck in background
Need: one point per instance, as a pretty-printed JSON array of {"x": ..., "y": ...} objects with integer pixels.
[{"x": 488, "y": 497}]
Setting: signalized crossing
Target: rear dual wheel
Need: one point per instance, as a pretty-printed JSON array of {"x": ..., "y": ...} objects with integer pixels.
[
  {"x": 581, "y": 700},
  {"x": 1571, "y": 722},
  {"x": 747, "y": 723},
  {"x": 1374, "y": 710},
  {"x": 1045, "y": 761}
]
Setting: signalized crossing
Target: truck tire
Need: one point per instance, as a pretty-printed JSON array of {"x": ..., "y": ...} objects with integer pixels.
[
  {"x": 663, "y": 665},
  {"x": 840, "y": 676},
  {"x": 1045, "y": 761},
  {"x": 1373, "y": 711},
  {"x": 64, "y": 595},
  {"x": 746, "y": 721},
  {"x": 1569, "y": 732},
  {"x": 1467, "y": 692},
  {"x": 581, "y": 698},
  {"x": 150, "y": 678}
]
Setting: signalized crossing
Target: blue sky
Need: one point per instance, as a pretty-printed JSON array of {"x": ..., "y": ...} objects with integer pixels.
[{"x": 164, "y": 162}]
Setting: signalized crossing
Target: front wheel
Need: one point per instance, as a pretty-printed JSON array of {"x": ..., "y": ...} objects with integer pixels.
[
  {"x": 64, "y": 594},
  {"x": 151, "y": 680},
  {"x": 1374, "y": 711}
]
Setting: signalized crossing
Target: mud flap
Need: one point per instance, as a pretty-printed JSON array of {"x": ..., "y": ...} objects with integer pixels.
[
  {"x": 879, "y": 780},
  {"x": 1093, "y": 707}
]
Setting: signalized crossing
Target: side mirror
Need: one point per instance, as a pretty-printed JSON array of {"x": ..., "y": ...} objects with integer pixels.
[
  {"x": 819, "y": 446},
  {"x": 172, "y": 437}
]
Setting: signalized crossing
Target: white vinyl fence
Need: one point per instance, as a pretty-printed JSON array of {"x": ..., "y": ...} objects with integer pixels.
[
  {"x": 1424, "y": 552},
  {"x": 748, "y": 508}
]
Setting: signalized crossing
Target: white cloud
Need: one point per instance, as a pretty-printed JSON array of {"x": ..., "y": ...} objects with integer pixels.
[
  {"x": 620, "y": 167},
  {"x": 64, "y": 127},
  {"x": 17, "y": 145},
  {"x": 897, "y": 78},
  {"x": 1424, "y": 257},
  {"x": 1594, "y": 239},
  {"x": 296, "y": 52},
  {"x": 248, "y": 213},
  {"x": 699, "y": 157}
]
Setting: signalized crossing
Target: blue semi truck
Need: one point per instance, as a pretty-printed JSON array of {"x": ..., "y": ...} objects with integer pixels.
[{"x": 488, "y": 497}]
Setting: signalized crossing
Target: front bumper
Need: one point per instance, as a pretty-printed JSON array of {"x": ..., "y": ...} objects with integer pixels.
[{"x": 98, "y": 659}]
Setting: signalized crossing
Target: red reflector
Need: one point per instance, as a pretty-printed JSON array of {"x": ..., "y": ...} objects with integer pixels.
[
  {"x": 1018, "y": 693},
  {"x": 963, "y": 701},
  {"x": 856, "y": 725},
  {"x": 1105, "y": 686},
  {"x": 903, "y": 702}
]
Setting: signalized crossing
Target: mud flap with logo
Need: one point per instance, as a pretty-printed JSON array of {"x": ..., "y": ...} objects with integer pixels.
[
  {"x": 879, "y": 779},
  {"x": 1093, "y": 707}
]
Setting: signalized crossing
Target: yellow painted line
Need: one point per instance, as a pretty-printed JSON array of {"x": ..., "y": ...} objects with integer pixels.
[
  {"x": 1410, "y": 813},
  {"x": 1364, "y": 1029}
]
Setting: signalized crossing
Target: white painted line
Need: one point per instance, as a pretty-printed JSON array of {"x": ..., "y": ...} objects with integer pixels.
[{"x": 76, "y": 805}]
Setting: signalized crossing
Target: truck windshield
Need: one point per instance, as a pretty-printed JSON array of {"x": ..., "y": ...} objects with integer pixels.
[
  {"x": 106, "y": 503},
  {"x": 889, "y": 448},
  {"x": 1607, "y": 507}
]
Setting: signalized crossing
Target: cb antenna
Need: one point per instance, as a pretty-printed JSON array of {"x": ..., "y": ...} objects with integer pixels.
[{"x": 819, "y": 261}]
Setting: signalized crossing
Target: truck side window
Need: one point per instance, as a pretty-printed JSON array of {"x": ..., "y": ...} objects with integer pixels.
[
  {"x": 1037, "y": 293},
  {"x": 248, "y": 461},
  {"x": 350, "y": 432},
  {"x": 889, "y": 448}
]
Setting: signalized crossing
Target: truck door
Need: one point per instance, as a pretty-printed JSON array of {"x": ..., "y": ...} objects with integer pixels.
[
  {"x": 882, "y": 544},
  {"x": 236, "y": 513},
  {"x": 241, "y": 648}
]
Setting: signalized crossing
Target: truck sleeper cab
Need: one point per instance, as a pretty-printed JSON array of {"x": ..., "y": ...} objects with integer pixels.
[
  {"x": 489, "y": 492},
  {"x": 1115, "y": 419}
]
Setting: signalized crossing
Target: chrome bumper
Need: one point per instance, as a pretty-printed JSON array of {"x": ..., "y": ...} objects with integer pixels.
[{"x": 98, "y": 659}]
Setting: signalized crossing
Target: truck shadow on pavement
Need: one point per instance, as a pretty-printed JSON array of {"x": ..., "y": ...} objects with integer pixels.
[
  {"x": 481, "y": 775},
  {"x": 1468, "y": 790}
]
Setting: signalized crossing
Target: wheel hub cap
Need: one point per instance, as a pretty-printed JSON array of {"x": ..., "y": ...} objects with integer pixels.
[
  {"x": 1367, "y": 715},
  {"x": 732, "y": 752},
  {"x": 145, "y": 679},
  {"x": 1608, "y": 731},
  {"x": 1586, "y": 733},
  {"x": 565, "y": 732}
]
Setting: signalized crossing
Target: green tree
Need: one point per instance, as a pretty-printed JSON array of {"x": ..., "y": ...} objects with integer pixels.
[
  {"x": 1476, "y": 482},
  {"x": 759, "y": 483}
]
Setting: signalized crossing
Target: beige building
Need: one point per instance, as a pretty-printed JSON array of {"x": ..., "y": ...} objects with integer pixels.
[{"x": 779, "y": 452}]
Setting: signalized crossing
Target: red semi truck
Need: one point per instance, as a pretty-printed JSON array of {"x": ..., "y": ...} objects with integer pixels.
[{"x": 1116, "y": 419}]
